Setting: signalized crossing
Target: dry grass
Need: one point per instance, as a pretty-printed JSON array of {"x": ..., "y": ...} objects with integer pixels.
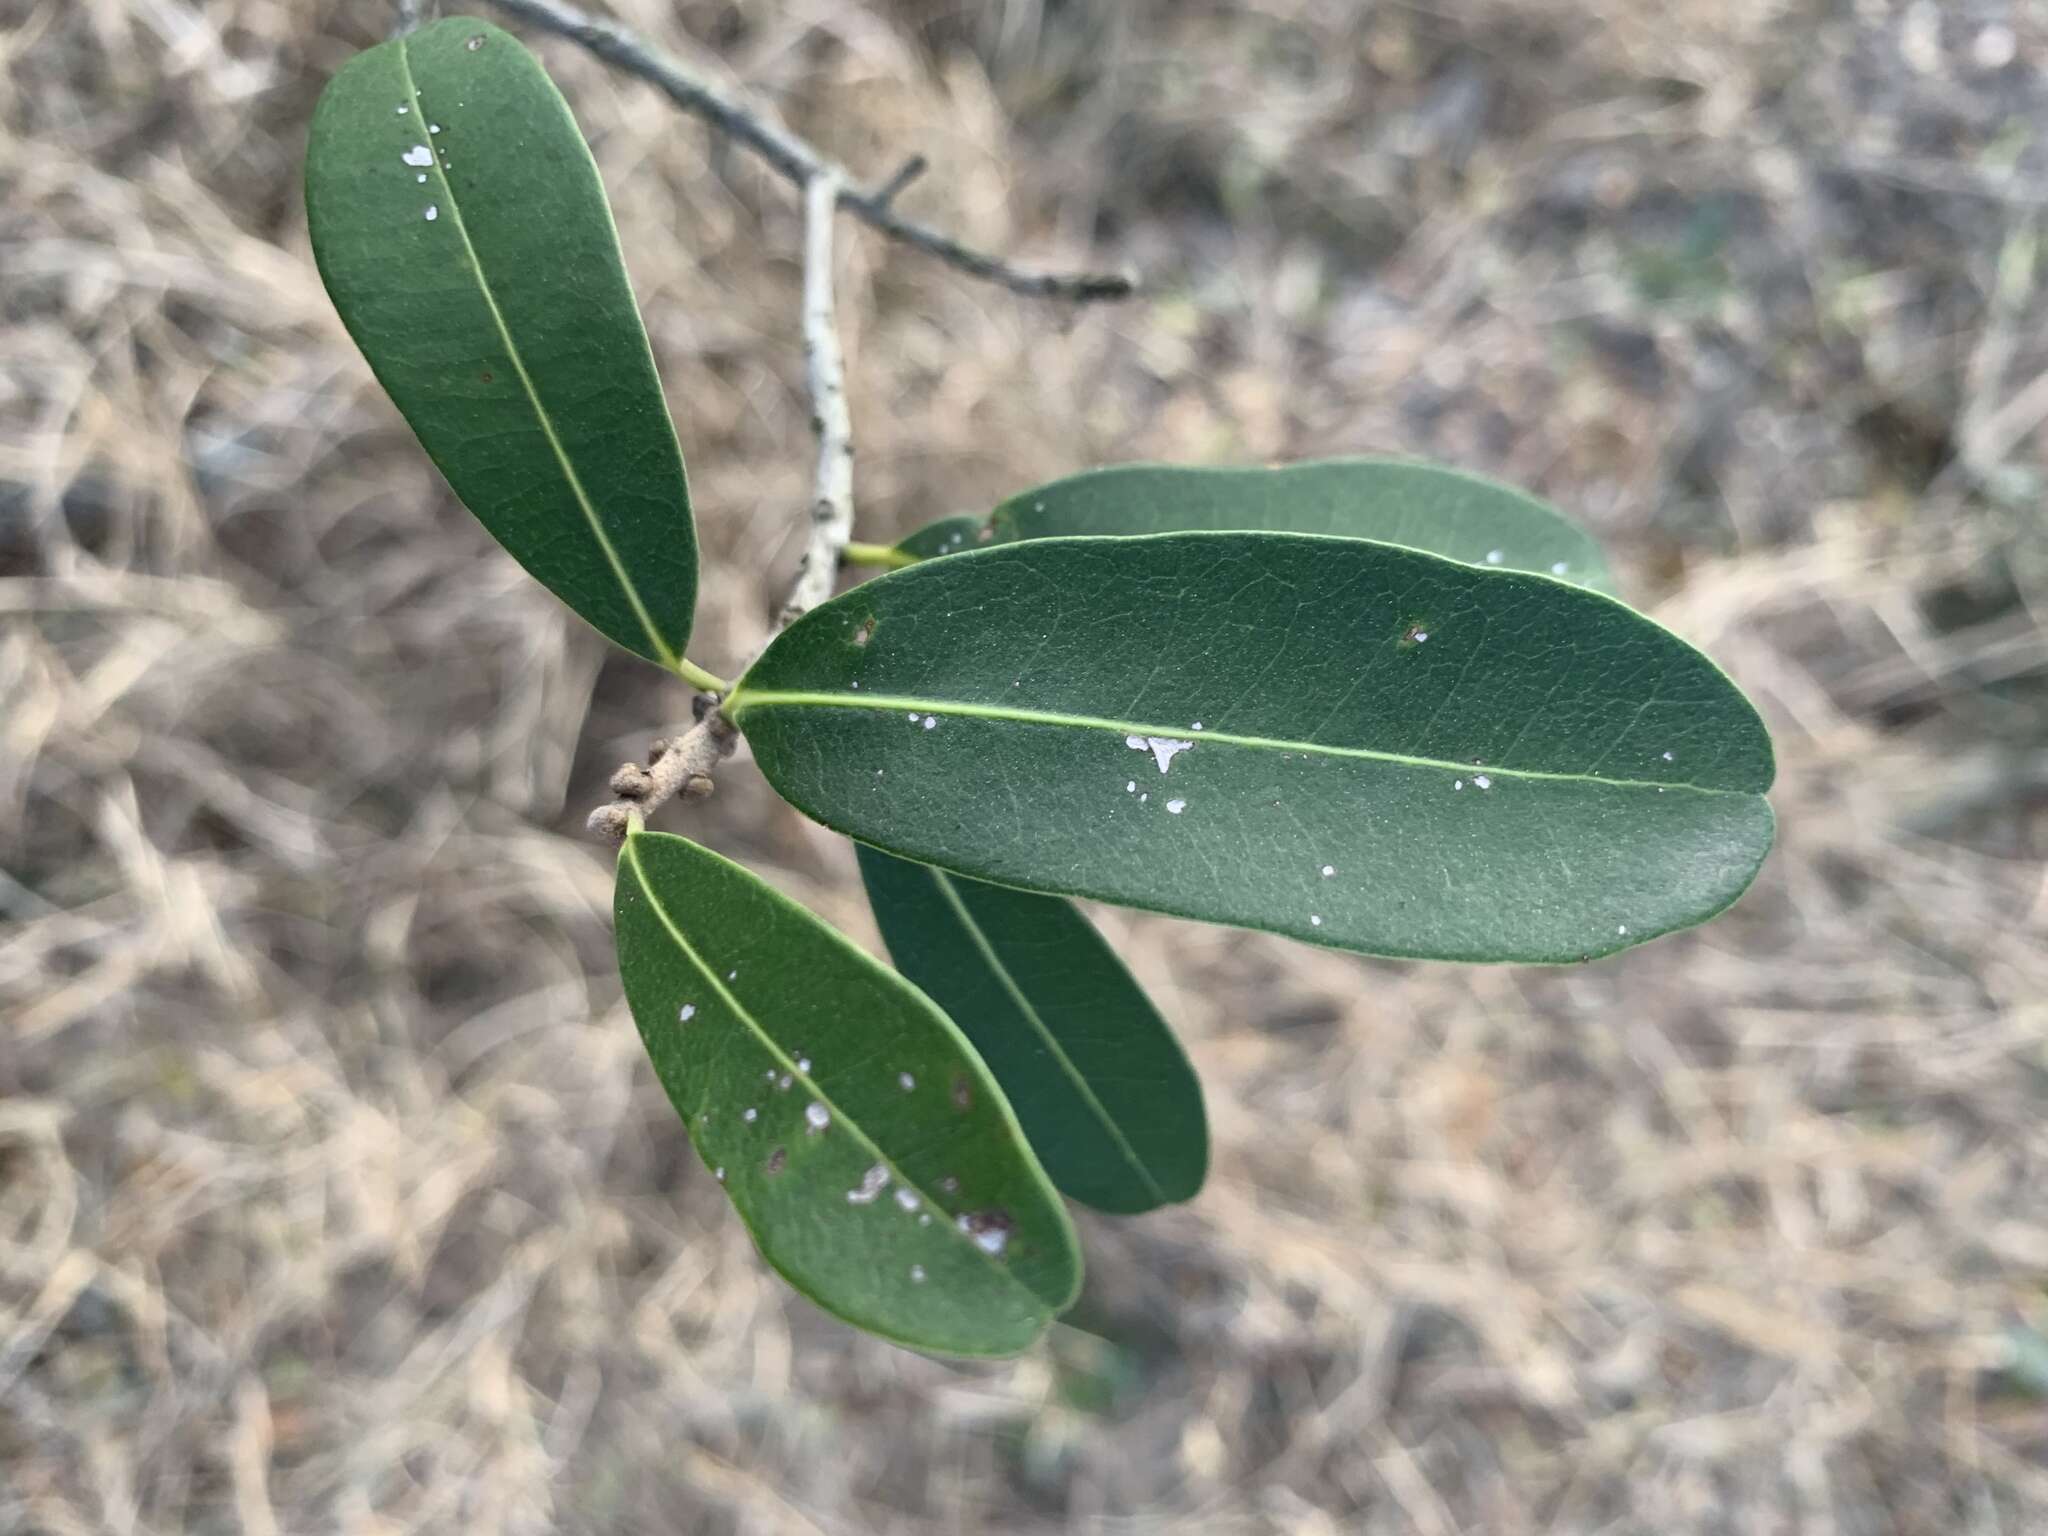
[{"x": 334, "y": 1192}]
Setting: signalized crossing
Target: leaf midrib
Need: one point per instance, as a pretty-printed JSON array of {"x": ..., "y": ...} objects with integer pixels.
[
  {"x": 540, "y": 411},
  {"x": 980, "y": 938},
  {"x": 743, "y": 699},
  {"x": 839, "y": 1117}
]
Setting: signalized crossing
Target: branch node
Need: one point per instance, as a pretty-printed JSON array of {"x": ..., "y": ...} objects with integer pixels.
[
  {"x": 906, "y": 173},
  {"x": 611, "y": 822},
  {"x": 632, "y": 782},
  {"x": 680, "y": 765}
]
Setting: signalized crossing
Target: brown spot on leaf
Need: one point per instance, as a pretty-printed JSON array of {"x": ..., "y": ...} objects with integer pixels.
[
  {"x": 963, "y": 1092},
  {"x": 990, "y": 1229},
  {"x": 778, "y": 1160},
  {"x": 864, "y": 631}
]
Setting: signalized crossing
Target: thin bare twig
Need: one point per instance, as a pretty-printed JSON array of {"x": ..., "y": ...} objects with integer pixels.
[
  {"x": 825, "y": 371},
  {"x": 906, "y": 173},
  {"x": 410, "y": 13},
  {"x": 801, "y": 163}
]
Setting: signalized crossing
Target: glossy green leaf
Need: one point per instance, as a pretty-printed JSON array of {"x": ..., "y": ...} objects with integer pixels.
[
  {"x": 947, "y": 536},
  {"x": 1357, "y": 744},
  {"x": 861, "y": 1139},
  {"x": 1423, "y": 506},
  {"x": 1100, "y": 1085},
  {"x": 464, "y": 237}
]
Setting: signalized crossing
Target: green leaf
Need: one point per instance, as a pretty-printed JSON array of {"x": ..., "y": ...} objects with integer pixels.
[
  {"x": 464, "y": 237},
  {"x": 1423, "y": 506},
  {"x": 1356, "y": 744},
  {"x": 862, "y": 1141},
  {"x": 1100, "y": 1085},
  {"x": 947, "y": 536}
]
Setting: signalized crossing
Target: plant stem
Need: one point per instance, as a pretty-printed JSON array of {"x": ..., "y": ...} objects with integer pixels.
[
  {"x": 802, "y": 164},
  {"x": 698, "y": 678},
  {"x": 885, "y": 555},
  {"x": 825, "y": 375}
]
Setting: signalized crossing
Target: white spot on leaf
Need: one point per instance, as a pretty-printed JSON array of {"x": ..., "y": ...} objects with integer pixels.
[
  {"x": 907, "y": 1198},
  {"x": 689, "y": 1012},
  {"x": 817, "y": 1116},
  {"x": 1559, "y": 568},
  {"x": 872, "y": 1183},
  {"x": 1482, "y": 781},
  {"x": 433, "y": 213},
  {"x": 1493, "y": 557},
  {"x": 1163, "y": 748},
  {"x": 905, "y": 1081},
  {"x": 418, "y": 155},
  {"x": 917, "y": 1274},
  {"x": 750, "y": 1114},
  {"x": 1329, "y": 870},
  {"x": 1314, "y": 921},
  {"x": 1175, "y": 807},
  {"x": 989, "y": 1229}
]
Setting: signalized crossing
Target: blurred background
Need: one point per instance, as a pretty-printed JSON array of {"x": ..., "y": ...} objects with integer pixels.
[{"x": 335, "y": 1194}]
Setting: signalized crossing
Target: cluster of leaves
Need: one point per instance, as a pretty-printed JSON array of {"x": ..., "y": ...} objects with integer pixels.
[{"x": 1373, "y": 705}]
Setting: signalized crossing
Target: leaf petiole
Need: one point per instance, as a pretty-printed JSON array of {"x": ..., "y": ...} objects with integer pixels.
[
  {"x": 888, "y": 556},
  {"x": 698, "y": 678}
]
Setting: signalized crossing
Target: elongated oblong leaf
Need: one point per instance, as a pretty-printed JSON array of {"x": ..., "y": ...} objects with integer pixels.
[
  {"x": 464, "y": 237},
  {"x": 862, "y": 1141},
  {"x": 1398, "y": 501},
  {"x": 1354, "y": 743},
  {"x": 1100, "y": 1085}
]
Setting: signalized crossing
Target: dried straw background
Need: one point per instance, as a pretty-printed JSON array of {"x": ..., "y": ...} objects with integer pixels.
[{"x": 334, "y": 1194}]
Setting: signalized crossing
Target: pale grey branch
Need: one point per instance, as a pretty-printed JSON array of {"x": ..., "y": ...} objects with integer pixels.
[{"x": 825, "y": 374}]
